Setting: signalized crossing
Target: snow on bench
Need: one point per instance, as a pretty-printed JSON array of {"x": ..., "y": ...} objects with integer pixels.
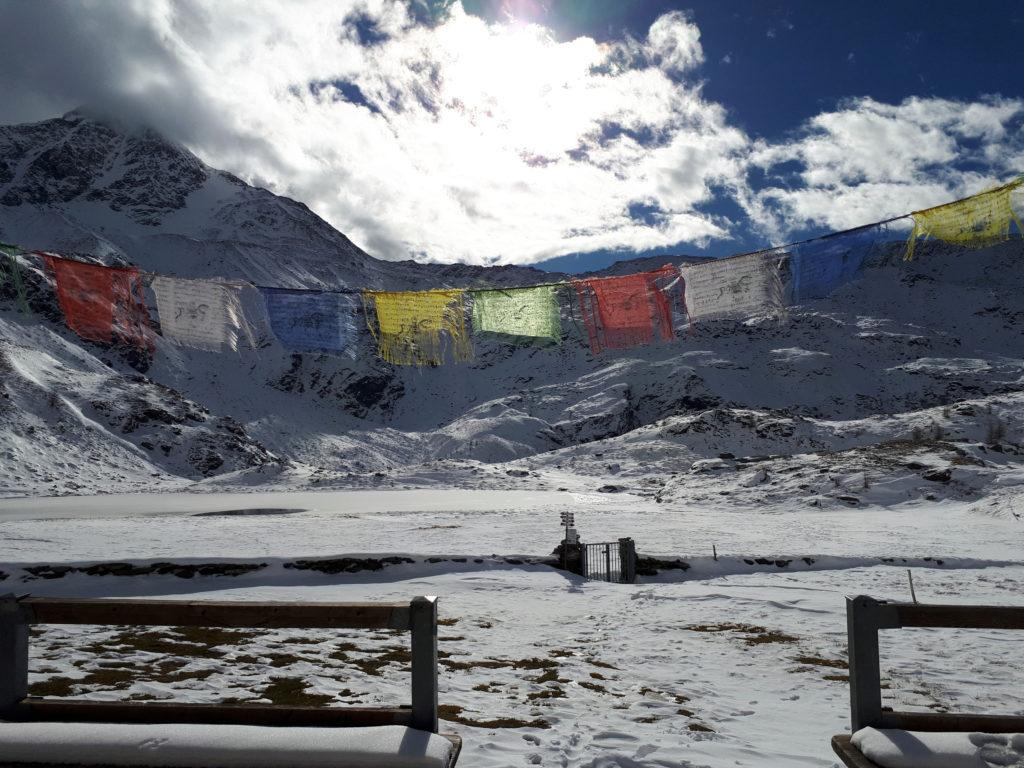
[
  {"x": 176, "y": 745},
  {"x": 895, "y": 748},
  {"x": 39, "y": 731},
  {"x": 892, "y": 739}
]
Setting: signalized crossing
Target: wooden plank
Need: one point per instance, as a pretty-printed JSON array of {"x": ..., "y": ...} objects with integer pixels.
[
  {"x": 865, "y": 674},
  {"x": 219, "y": 714},
  {"x": 424, "y": 663},
  {"x": 961, "y": 616},
  {"x": 208, "y": 613},
  {"x": 953, "y": 722},
  {"x": 13, "y": 655},
  {"x": 849, "y": 754}
]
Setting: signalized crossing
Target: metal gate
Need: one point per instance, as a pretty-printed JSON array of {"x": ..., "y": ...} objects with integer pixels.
[{"x": 613, "y": 561}]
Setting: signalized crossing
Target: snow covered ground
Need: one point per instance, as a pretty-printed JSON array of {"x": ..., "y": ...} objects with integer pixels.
[{"x": 726, "y": 663}]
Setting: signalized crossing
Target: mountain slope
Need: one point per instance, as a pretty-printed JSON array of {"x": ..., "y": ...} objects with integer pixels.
[
  {"x": 79, "y": 184},
  {"x": 926, "y": 354}
]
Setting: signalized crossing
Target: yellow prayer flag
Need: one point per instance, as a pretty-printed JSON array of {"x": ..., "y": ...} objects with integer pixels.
[
  {"x": 410, "y": 325},
  {"x": 977, "y": 222}
]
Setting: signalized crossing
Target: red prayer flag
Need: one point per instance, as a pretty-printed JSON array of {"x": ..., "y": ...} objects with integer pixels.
[
  {"x": 103, "y": 304},
  {"x": 622, "y": 312}
]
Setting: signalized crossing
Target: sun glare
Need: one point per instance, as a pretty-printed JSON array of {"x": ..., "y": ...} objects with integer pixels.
[{"x": 516, "y": 81}]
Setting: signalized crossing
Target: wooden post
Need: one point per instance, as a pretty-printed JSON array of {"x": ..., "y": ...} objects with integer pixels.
[
  {"x": 865, "y": 673},
  {"x": 423, "y": 623},
  {"x": 627, "y": 560},
  {"x": 13, "y": 655}
]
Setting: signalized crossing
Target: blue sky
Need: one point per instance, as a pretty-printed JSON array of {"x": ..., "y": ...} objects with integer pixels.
[
  {"x": 776, "y": 65},
  {"x": 565, "y": 134}
]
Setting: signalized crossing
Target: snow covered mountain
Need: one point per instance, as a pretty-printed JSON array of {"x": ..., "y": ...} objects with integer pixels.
[
  {"x": 78, "y": 184},
  {"x": 908, "y": 382}
]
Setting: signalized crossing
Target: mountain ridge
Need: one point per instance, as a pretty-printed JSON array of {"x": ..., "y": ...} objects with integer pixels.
[{"x": 881, "y": 359}]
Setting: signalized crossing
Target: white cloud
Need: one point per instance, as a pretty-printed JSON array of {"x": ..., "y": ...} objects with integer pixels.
[
  {"x": 472, "y": 142},
  {"x": 675, "y": 42},
  {"x": 479, "y": 142},
  {"x": 869, "y": 161}
]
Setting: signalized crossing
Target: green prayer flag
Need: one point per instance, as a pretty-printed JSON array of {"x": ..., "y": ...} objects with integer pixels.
[
  {"x": 518, "y": 312},
  {"x": 9, "y": 270}
]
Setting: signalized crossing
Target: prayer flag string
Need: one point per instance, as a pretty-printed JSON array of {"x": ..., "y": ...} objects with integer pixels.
[
  {"x": 311, "y": 321},
  {"x": 740, "y": 286},
  {"x": 975, "y": 222},
  {"x": 101, "y": 304},
  {"x": 11, "y": 270},
  {"x": 200, "y": 314},
  {"x": 626, "y": 311},
  {"x": 531, "y": 312},
  {"x": 416, "y": 327},
  {"x": 106, "y": 304}
]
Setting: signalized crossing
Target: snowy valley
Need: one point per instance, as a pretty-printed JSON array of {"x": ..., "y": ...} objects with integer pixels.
[{"x": 822, "y": 454}]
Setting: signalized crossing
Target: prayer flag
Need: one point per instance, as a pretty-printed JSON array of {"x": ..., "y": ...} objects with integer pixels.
[
  {"x": 200, "y": 314},
  {"x": 977, "y": 222},
  {"x": 622, "y": 312},
  {"x": 818, "y": 267},
  {"x": 311, "y": 321},
  {"x": 11, "y": 270},
  {"x": 518, "y": 312},
  {"x": 412, "y": 326},
  {"x": 102, "y": 304},
  {"x": 736, "y": 286}
]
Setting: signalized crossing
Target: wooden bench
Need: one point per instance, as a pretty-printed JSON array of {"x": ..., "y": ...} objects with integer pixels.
[
  {"x": 419, "y": 617},
  {"x": 865, "y": 616}
]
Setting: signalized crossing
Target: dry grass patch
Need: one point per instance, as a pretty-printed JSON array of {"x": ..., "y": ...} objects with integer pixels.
[
  {"x": 108, "y": 678},
  {"x": 755, "y": 635},
  {"x": 648, "y": 719},
  {"x": 547, "y": 693},
  {"x": 290, "y": 692},
  {"x": 818, "y": 661},
  {"x": 214, "y": 635},
  {"x": 374, "y": 664},
  {"x": 453, "y": 714},
  {"x": 55, "y": 686},
  {"x": 278, "y": 660},
  {"x": 302, "y": 640},
  {"x": 517, "y": 664},
  {"x": 156, "y": 642},
  {"x": 180, "y": 677}
]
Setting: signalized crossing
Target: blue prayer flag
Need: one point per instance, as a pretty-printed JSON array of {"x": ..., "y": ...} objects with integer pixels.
[
  {"x": 312, "y": 321},
  {"x": 819, "y": 267}
]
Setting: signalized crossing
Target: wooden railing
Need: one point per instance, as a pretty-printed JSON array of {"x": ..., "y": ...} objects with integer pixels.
[
  {"x": 865, "y": 616},
  {"x": 419, "y": 617}
]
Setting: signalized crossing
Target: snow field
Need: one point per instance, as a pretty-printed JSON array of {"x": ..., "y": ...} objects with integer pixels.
[{"x": 724, "y": 664}]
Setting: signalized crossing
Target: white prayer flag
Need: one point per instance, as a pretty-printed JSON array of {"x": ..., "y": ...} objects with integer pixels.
[
  {"x": 741, "y": 286},
  {"x": 200, "y": 314}
]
